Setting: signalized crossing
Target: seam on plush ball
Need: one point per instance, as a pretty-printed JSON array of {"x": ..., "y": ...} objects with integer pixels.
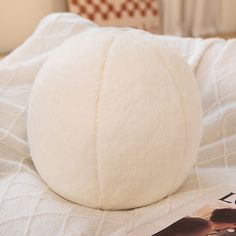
[
  {"x": 185, "y": 123},
  {"x": 100, "y": 82},
  {"x": 166, "y": 64}
]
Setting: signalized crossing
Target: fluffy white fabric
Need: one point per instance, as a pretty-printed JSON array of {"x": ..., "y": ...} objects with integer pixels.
[{"x": 114, "y": 119}]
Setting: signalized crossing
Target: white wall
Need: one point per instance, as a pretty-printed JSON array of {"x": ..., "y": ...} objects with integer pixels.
[
  {"x": 228, "y": 23},
  {"x": 18, "y": 19},
  {"x": 198, "y": 17}
]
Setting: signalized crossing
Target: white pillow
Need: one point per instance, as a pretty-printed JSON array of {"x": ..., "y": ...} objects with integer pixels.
[{"x": 114, "y": 119}]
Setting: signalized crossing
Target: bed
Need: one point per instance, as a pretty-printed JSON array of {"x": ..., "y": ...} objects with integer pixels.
[{"x": 29, "y": 207}]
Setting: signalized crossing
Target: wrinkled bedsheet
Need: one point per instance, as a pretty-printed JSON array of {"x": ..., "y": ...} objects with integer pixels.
[{"x": 29, "y": 207}]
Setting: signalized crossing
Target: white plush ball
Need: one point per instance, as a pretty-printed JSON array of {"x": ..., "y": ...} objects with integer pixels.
[{"x": 114, "y": 119}]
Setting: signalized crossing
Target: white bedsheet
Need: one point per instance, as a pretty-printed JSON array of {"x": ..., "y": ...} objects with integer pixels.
[{"x": 29, "y": 207}]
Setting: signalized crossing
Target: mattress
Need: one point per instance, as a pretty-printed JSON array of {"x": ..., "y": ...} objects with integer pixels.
[{"x": 29, "y": 207}]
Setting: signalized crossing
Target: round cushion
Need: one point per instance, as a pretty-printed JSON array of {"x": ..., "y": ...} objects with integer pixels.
[{"x": 114, "y": 119}]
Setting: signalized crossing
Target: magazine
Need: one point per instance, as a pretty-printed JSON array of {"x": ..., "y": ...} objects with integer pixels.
[{"x": 212, "y": 214}]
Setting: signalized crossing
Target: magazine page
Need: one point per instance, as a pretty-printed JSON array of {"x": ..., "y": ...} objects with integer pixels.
[{"x": 212, "y": 214}]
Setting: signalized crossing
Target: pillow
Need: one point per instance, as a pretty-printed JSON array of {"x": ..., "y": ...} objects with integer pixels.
[
  {"x": 133, "y": 13},
  {"x": 114, "y": 119}
]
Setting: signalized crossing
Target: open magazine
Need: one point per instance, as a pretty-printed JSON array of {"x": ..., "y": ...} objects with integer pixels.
[{"x": 212, "y": 214}]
